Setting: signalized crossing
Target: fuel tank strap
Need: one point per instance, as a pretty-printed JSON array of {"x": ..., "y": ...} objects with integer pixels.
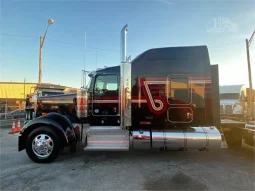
[{"x": 207, "y": 138}]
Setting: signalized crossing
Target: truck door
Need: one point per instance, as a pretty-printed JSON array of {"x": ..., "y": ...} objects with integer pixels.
[
  {"x": 179, "y": 97},
  {"x": 105, "y": 96}
]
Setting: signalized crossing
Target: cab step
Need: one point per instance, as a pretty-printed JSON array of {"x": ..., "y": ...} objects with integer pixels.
[{"x": 107, "y": 138}]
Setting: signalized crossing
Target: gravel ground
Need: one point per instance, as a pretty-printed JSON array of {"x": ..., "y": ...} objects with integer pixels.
[{"x": 222, "y": 169}]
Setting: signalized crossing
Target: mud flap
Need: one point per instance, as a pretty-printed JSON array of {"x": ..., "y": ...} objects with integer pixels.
[{"x": 21, "y": 143}]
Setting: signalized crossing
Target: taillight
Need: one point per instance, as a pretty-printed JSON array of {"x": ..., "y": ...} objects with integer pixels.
[{"x": 44, "y": 114}]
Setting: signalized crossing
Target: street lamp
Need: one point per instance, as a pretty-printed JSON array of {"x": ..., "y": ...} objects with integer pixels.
[
  {"x": 50, "y": 22},
  {"x": 250, "y": 103},
  {"x": 5, "y": 103}
]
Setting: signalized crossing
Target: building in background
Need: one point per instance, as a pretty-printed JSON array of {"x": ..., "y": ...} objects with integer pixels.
[{"x": 14, "y": 94}]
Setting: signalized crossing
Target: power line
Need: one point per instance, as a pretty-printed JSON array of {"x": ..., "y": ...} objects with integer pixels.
[
  {"x": 80, "y": 45},
  {"x": 65, "y": 42},
  {"x": 27, "y": 36},
  {"x": 68, "y": 43},
  {"x": 104, "y": 49}
]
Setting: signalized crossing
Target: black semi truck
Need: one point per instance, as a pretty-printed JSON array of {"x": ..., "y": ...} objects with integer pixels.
[{"x": 166, "y": 98}]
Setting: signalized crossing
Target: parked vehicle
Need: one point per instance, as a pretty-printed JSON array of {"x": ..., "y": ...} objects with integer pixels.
[
  {"x": 166, "y": 98},
  {"x": 16, "y": 114},
  {"x": 233, "y": 100},
  {"x": 2, "y": 115}
]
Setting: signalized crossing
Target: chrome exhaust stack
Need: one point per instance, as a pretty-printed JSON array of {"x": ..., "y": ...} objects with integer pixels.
[
  {"x": 201, "y": 138},
  {"x": 125, "y": 83},
  {"x": 123, "y": 44}
]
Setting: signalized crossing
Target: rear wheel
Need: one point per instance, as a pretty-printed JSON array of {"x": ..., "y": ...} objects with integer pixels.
[
  {"x": 43, "y": 145},
  {"x": 234, "y": 140}
]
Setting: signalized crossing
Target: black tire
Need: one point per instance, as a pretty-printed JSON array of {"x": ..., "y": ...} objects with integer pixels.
[
  {"x": 233, "y": 139},
  {"x": 56, "y": 148},
  {"x": 72, "y": 148}
]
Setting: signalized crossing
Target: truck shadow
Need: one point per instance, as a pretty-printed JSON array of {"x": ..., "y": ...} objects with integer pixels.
[
  {"x": 163, "y": 170},
  {"x": 223, "y": 155},
  {"x": 178, "y": 181}
]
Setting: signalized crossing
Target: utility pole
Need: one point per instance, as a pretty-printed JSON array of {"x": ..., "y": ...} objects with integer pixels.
[
  {"x": 50, "y": 22},
  {"x": 40, "y": 60},
  {"x": 24, "y": 91},
  {"x": 5, "y": 103},
  {"x": 250, "y": 101}
]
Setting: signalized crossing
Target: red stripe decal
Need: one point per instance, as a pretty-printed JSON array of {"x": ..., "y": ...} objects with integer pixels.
[{"x": 107, "y": 141}]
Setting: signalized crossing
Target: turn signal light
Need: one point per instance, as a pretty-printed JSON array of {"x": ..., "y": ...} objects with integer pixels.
[{"x": 44, "y": 114}]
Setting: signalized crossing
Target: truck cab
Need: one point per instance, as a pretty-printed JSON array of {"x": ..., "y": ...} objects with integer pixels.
[
  {"x": 233, "y": 100},
  {"x": 177, "y": 91}
]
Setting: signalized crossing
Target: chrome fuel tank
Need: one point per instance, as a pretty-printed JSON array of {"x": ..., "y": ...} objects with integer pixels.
[{"x": 191, "y": 138}]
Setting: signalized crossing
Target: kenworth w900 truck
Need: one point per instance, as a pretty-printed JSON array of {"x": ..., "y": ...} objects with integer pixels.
[{"x": 166, "y": 98}]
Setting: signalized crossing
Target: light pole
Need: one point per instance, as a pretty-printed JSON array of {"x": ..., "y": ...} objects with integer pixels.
[
  {"x": 250, "y": 103},
  {"x": 5, "y": 103},
  {"x": 50, "y": 22}
]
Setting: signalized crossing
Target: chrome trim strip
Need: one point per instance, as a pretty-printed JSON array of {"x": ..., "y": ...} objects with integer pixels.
[
  {"x": 104, "y": 128},
  {"x": 56, "y": 101}
]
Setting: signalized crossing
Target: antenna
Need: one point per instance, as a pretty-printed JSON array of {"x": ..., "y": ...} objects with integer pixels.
[
  {"x": 83, "y": 78},
  {"x": 84, "y": 51},
  {"x": 83, "y": 72}
]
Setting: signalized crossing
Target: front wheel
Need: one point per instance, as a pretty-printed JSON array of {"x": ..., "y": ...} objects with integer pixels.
[{"x": 43, "y": 145}]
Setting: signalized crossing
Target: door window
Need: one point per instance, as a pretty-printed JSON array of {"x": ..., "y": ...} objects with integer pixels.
[{"x": 106, "y": 95}]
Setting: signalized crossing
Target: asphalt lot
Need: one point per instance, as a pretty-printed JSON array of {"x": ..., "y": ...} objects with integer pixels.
[{"x": 223, "y": 169}]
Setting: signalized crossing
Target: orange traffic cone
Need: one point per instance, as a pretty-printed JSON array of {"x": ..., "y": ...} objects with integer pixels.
[
  {"x": 18, "y": 127},
  {"x": 13, "y": 127}
]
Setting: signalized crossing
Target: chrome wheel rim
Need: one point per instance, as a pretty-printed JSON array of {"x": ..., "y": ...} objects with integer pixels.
[{"x": 42, "y": 146}]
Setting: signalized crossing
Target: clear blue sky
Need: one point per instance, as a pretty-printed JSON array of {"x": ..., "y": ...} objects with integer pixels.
[{"x": 152, "y": 24}]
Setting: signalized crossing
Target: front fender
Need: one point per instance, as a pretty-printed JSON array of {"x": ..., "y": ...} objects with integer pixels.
[
  {"x": 65, "y": 124},
  {"x": 58, "y": 122},
  {"x": 37, "y": 122}
]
